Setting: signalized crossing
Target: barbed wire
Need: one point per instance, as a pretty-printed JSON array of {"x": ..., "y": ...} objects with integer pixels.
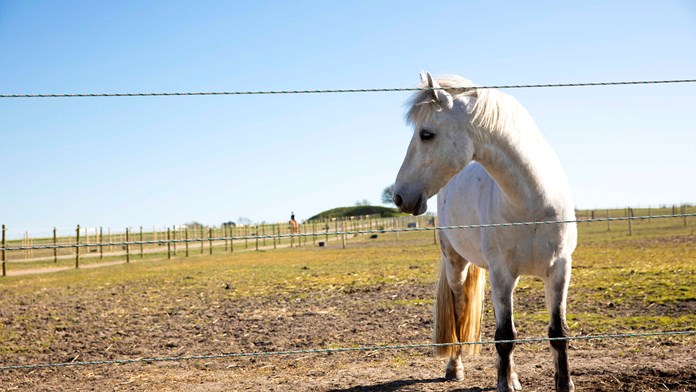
[
  {"x": 347, "y": 232},
  {"x": 341, "y": 350},
  {"x": 338, "y": 91}
]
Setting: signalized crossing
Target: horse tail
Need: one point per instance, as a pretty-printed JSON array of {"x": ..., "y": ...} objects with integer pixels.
[{"x": 468, "y": 327}]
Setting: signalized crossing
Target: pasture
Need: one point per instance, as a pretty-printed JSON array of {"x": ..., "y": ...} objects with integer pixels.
[{"x": 374, "y": 292}]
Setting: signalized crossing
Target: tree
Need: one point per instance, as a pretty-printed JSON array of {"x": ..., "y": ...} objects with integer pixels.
[
  {"x": 363, "y": 202},
  {"x": 388, "y": 195}
]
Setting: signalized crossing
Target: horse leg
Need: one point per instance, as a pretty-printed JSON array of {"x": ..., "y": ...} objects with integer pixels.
[
  {"x": 502, "y": 285},
  {"x": 458, "y": 309},
  {"x": 451, "y": 279},
  {"x": 556, "y": 288}
]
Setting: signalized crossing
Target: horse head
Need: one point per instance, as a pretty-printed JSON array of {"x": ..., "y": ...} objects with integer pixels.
[{"x": 442, "y": 142}]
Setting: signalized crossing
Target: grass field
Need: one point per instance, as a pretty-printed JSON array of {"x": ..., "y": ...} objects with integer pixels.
[{"x": 377, "y": 291}]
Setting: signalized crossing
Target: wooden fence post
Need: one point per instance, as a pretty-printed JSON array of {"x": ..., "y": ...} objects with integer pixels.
[
  {"x": 169, "y": 243},
  {"x": 101, "y": 242},
  {"x": 683, "y": 211},
  {"x": 435, "y": 231},
  {"x": 256, "y": 233},
  {"x": 343, "y": 237},
  {"x": 186, "y": 233},
  {"x": 234, "y": 234},
  {"x": 210, "y": 239},
  {"x": 202, "y": 240},
  {"x": 273, "y": 227},
  {"x": 630, "y": 221},
  {"x": 608, "y": 222},
  {"x": 77, "y": 248},
  {"x": 396, "y": 227},
  {"x": 55, "y": 243},
  {"x": 142, "y": 246},
  {"x": 314, "y": 231},
  {"x": 225, "y": 230},
  {"x": 4, "y": 252},
  {"x": 127, "y": 245},
  {"x": 246, "y": 237}
]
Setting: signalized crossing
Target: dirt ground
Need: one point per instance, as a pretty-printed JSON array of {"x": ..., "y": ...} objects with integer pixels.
[{"x": 116, "y": 322}]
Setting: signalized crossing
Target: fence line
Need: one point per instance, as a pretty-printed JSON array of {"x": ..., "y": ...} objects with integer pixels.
[
  {"x": 341, "y": 350},
  {"x": 347, "y": 232},
  {"x": 334, "y": 91}
]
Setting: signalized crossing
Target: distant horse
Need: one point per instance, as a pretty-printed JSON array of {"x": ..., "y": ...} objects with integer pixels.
[
  {"x": 483, "y": 155},
  {"x": 293, "y": 225}
]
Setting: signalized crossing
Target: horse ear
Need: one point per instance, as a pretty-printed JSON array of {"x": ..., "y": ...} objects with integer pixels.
[
  {"x": 441, "y": 96},
  {"x": 423, "y": 77}
]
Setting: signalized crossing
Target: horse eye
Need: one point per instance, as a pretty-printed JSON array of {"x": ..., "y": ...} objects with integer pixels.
[{"x": 426, "y": 135}]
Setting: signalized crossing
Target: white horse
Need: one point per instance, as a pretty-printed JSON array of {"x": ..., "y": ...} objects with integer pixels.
[{"x": 483, "y": 155}]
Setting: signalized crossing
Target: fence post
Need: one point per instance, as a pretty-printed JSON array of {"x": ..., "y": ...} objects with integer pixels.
[
  {"x": 142, "y": 246},
  {"x": 246, "y": 237},
  {"x": 174, "y": 236},
  {"x": 77, "y": 248},
  {"x": 608, "y": 222},
  {"x": 4, "y": 252},
  {"x": 186, "y": 233},
  {"x": 234, "y": 234},
  {"x": 101, "y": 242},
  {"x": 55, "y": 243},
  {"x": 343, "y": 236},
  {"x": 326, "y": 228},
  {"x": 273, "y": 227},
  {"x": 630, "y": 221},
  {"x": 683, "y": 210},
  {"x": 210, "y": 240},
  {"x": 396, "y": 227},
  {"x": 435, "y": 231},
  {"x": 225, "y": 229},
  {"x": 202, "y": 240},
  {"x": 256, "y": 233},
  {"x": 169, "y": 243},
  {"x": 127, "y": 245}
]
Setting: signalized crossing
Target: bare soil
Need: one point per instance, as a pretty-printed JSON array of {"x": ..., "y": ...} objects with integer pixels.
[{"x": 117, "y": 322}]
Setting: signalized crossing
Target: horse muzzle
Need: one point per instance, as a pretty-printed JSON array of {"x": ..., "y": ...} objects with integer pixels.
[{"x": 411, "y": 206}]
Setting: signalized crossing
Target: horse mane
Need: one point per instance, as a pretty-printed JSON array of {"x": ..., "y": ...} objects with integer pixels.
[{"x": 494, "y": 110}]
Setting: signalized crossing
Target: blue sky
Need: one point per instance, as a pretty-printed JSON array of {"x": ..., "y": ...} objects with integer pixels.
[{"x": 118, "y": 162}]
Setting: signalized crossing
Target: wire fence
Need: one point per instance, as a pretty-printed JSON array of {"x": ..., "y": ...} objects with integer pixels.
[
  {"x": 350, "y": 232},
  {"x": 342, "y": 91},
  {"x": 4, "y": 248},
  {"x": 339, "y": 350}
]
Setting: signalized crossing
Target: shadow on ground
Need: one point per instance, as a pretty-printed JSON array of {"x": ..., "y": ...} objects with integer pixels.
[{"x": 397, "y": 385}]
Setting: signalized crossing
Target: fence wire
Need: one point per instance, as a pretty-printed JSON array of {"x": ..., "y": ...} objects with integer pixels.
[
  {"x": 348, "y": 232},
  {"x": 340, "y": 350},
  {"x": 339, "y": 91}
]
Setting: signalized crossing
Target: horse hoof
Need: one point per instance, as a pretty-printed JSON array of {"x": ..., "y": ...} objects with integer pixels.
[
  {"x": 565, "y": 387},
  {"x": 454, "y": 375},
  {"x": 516, "y": 384}
]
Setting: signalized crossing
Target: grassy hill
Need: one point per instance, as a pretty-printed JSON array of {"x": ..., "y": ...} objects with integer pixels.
[{"x": 341, "y": 212}]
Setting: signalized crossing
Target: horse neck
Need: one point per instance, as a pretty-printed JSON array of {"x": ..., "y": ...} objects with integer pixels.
[{"x": 525, "y": 168}]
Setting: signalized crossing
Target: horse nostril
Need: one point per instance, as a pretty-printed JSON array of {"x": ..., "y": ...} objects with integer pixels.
[{"x": 398, "y": 200}]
